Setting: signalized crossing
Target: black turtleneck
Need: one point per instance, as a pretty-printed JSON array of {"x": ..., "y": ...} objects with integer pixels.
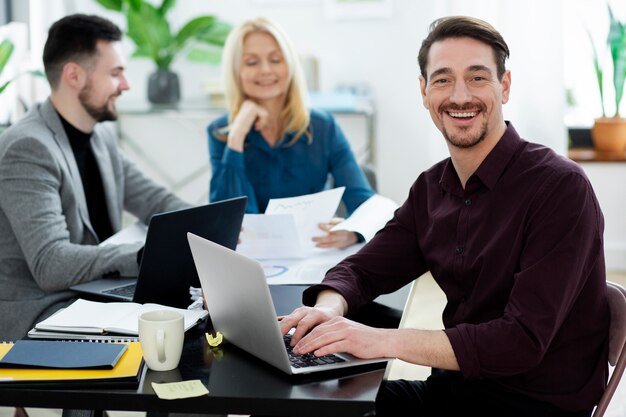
[{"x": 92, "y": 180}]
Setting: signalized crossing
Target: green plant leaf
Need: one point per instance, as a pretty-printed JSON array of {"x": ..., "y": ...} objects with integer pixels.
[
  {"x": 599, "y": 73},
  {"x": 619, "y": 74},
  {"x": 193, "y": 28},
  {"x": 151, "y": 33},
  {"x": 216, "y": 34},
  {"x": 149, "y": 29},
  {"x": 166, "y": 6},
  {"x": 617, "y": 44},
  {"x": 211, "y": 55},
  {"x": 112, "y": 4},
  {"x": 6, "y": 50},
  {"x": 141, "y": 53},
  {"x": 135, "y": 5},
  {"x": 4, "y": 86},
  {"x": 36, "y": 73}
]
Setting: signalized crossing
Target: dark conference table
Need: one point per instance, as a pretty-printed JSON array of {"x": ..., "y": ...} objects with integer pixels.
[{"x": 238, "y": 383}]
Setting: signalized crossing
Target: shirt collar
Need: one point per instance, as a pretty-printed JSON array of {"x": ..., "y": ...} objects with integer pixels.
[
  {"x": 491, "y": 169},
  {"x": 494, "y": 165}
]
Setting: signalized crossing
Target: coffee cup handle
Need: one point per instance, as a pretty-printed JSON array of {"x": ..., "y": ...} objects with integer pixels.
[{"x": 160, "y": 344}]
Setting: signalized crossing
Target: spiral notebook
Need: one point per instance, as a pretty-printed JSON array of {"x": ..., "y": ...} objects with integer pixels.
[{"x": 126, "y": 372}]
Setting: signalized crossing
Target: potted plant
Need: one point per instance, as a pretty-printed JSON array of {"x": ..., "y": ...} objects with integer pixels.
[
  {"x": 609, "y": 133},
  {"x": 150, "y": 30}
]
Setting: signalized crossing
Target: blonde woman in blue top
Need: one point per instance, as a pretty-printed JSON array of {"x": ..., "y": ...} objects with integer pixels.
[{"x": 270, "y": 145}]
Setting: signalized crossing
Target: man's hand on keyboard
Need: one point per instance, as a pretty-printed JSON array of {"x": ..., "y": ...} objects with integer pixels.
[
  {"x": 329, "y": 304},
  {"x": 342, "y": 335}
]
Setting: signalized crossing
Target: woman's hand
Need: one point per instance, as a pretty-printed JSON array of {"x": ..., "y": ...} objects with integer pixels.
[
  {"x": 250, "y": 114},
  {"x": 338, "y": 239}
]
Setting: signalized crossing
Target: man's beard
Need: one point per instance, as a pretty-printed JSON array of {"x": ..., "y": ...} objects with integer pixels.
[
  {"x": 99, "y": 113},
  {"x": 465, "y": 141}
]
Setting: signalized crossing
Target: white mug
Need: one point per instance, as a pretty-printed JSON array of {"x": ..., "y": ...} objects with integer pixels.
[{"x": 161, "y": 335}]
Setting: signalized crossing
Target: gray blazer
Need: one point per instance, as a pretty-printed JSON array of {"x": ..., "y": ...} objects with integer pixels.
[{"x": 47, "y": 242}]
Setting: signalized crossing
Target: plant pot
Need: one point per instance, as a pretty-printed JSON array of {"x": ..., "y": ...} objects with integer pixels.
[
  {"x": 163, "y": 87},
  {"x": 609, "y": 134}
]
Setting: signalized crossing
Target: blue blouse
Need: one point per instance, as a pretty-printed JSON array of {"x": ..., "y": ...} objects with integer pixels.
[{"x": 262, "y": 172}]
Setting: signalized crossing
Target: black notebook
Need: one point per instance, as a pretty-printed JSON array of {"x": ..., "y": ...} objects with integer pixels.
[{"x": 63, "y": 355}]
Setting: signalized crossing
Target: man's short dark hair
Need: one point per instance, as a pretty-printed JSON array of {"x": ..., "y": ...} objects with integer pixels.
[
  {"x": 74, "y": 38},
  {"x": 461, "y": 27}
]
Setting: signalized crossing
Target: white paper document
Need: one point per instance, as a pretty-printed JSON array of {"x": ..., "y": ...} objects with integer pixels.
[
  {"x": 305, "y": 271},
  {"x": 134, "y": 233},
  {"x": 286, "y": 228},
  {"x": 369, "y": 217}
]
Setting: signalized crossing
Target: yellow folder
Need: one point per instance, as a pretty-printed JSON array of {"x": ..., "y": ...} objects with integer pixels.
[{"x": 127, "y": 369}]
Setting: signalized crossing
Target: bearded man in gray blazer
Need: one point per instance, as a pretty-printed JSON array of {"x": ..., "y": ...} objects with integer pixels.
[{"x": 63, "y": 182}]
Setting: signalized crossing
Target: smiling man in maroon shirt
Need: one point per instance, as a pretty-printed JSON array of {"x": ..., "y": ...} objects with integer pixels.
[{"x": 512, "y": 233}]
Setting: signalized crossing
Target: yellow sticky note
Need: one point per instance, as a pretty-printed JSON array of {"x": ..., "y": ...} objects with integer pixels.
[
  {"x": 214, "y": 341},
  {"x": 177, "y": 390}
]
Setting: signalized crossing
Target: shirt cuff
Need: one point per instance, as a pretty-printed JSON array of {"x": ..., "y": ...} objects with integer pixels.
[
  {"x": 233, "y": 158},
  {"x": 465, "y": 357}
]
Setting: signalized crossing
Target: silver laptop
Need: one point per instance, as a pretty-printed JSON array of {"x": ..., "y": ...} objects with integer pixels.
[{"x": 241, "y": 308}]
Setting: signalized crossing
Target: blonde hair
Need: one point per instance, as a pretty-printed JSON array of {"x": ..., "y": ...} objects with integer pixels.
[{"x": 294, "y": 116}]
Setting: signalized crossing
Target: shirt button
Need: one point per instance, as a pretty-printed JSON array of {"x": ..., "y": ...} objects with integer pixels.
[
  {"x": 459, "y": 249},
  {"x": 468, "y": 202}
]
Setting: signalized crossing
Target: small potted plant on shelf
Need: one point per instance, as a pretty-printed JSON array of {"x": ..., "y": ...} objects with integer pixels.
[
  {"x": 609, "y": 133},
  {"x": 149, "y": 29}
]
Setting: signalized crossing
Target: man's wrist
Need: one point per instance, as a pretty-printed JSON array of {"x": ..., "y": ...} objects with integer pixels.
[{"x": 331, "y": 299}]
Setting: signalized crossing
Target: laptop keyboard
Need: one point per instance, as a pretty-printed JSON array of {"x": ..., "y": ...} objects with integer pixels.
[
  {"x": 123, "y": 291},
  {"x": 303, "y": 361}
]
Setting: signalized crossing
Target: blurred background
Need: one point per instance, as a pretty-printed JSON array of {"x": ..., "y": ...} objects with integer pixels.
[{"x": 361, "y": 63}]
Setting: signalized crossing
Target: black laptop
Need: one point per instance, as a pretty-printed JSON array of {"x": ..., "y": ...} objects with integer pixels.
[{"x": 167, "y": 269}]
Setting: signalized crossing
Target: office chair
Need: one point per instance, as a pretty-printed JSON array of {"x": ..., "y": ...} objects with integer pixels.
[
  {"x": 370, "y": 174},
  {"x": 616, "y": 296}
]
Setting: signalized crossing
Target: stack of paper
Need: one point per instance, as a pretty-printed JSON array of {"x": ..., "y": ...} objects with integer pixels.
[
  {"x": 288, "y": 225},
  {"x": 286, "y": 228}
]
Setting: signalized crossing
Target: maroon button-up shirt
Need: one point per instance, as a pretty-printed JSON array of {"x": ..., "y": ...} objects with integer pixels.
[{"x": 519, "y": 254}]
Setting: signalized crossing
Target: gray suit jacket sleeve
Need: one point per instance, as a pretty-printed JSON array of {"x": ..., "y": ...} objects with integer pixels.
[{"x": 47, "y": 243}]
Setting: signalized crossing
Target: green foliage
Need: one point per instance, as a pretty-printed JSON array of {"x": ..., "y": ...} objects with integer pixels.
[
  {"x": 150, "y": 30},
  {"x": 115, "y": 5},
  {"x": 599, "y": 74},
  {"x": 616, "y": 42},
  {"x": 6, "y": 50}
]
